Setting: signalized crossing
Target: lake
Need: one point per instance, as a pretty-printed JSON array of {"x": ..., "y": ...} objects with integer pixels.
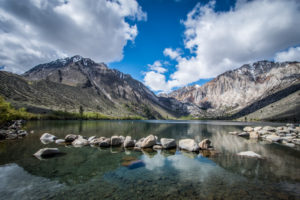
[{"x": 115, "y": 173}]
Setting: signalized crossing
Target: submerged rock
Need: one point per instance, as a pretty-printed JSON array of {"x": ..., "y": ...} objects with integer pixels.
[
  {"x": 70, "y": 138},
  {"x": 47, "y": 152},
  {"x": 148, "y": 142},
  {"x": 128, "y": 142},
  {"x": 249, "y": 154},
  {"x": 168, "y": 143},
  {"x": 188, "y": 144},
  {"x": 47, "y": 138},
  {"x": 205, "y": 144}
]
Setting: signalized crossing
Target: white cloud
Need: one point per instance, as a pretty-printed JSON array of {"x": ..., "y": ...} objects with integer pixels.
[
  {"x": 221, "y": 41},
  {"x": 36, "y": 31},
  {"x": 292, "y": 54},
  {"x": 173, "y": 54},
  {"x": 157, "y": 66},
  {"x": 156, "y": 81}
]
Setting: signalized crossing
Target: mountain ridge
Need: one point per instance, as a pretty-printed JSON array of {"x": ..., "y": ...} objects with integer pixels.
[
  {"x": 113, "y": 91},
  {"x": 236, "y": 89},
  {"x": 66, "y": 84}
]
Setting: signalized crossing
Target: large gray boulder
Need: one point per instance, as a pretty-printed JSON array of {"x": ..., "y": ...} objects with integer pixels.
[
  {"x": 188, "y": 144},
  {"x": 79, "y": 142},
  {"x": 168, "y": 143},
  {"x": 70, "y": 138},
  {"x": 148, "y": 142},
  {"x": 205, "y": 144},
  {"x": 46, "y": 152},
  {"x": 258, "y": 128},
  {"x": 22, "y": 133},
  {"x": 273, "y": 138},
  {"x": 269, "y": 128},
  {"x": 139, "y": 142},
  {"x": 116, "y": 140},
  {"x": 104, "y": 142},
  {"x": 128, "y": 142},
  {"x": 47, "y": 138}
]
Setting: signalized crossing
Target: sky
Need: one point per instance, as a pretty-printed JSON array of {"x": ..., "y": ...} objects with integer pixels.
[{"x": 166, "y": 44}]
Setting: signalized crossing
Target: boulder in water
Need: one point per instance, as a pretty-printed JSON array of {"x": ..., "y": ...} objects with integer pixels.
[
  {"x": 168, "y": 143},
  {"x": 205, "y": 144},
  {"x": 70, "y": 138},
  {"x": 116, "y": 140},
  {"x": 148, "y": 142},
  {"x": 47, "y": 152},
  {"x": 47, "y": 138},
  {"x": 128, "y": 142},
  {"x": 188, "y": 144}
]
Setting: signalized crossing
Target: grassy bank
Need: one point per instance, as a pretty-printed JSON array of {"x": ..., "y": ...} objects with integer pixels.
[{"x": 9, "y": 113}]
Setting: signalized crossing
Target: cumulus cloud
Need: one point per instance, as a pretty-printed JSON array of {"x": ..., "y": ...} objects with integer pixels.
[
  {"x": 221, "y": 41},
  {"x": 35, "y": 31},
  {"x": 292, "y": 54},
  {"x": 173, "y": 54},
  {"x": 157, "y": 66}
]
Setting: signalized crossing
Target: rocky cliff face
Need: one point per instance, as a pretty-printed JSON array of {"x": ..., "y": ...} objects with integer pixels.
[{"x": 234, "y": 90}]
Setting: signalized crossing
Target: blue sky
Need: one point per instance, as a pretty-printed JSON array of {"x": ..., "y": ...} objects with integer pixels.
[
  {"x": 166, "y": 44},
  {"x": 162, "y": 29}
]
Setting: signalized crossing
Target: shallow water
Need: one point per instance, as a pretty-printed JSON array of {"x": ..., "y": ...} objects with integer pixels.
[{"x": 115, "y": 173}]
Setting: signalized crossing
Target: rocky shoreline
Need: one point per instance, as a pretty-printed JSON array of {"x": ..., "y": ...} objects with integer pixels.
[
  {"x": 149, "y": 142},
  {"x": 13, "y": 130},
  {"x": 288, "y": 135}
]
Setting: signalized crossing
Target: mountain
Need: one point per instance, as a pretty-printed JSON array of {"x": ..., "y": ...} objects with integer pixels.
[
  {"x": 249, "y": 92},
  {"x": 66, "y": 84},
  {"x": 239, "y": 92}
]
